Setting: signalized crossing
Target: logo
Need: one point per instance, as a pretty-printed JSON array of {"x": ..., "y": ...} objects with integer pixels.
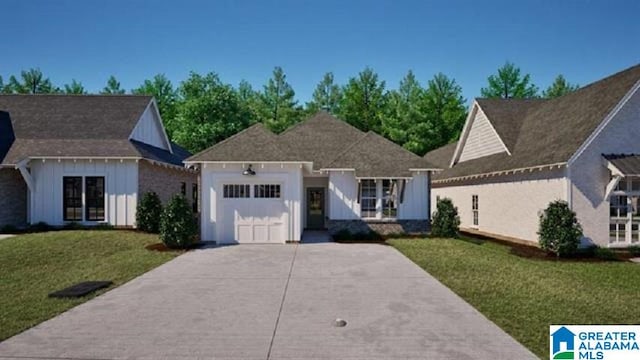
[
  {"x": 562, "y": 344},
  {"x": 594, "y": 342}
]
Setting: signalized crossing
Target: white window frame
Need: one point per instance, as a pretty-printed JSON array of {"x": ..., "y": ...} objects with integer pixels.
[
  {"x": 84, "y": 197},
  {"x": 475, "y": 211},
  {"x": 628, "y": 221},
  {"x": 374, "y": 198},
  {"x": 234, "y": 189},
  {"x": 379, "y": 200}
]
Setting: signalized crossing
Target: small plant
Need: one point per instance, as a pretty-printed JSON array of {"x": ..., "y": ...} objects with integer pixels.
[
  {"x": 605, "y": 254},
  {"x": 73, "y": 226},
  {"x": 40, "y": 227},
  {"x": 103, "y": 226},
  {"x": 178, "y": 228},
  {"x": 149, "y": 212},
  {"x": 634, "y": 250},
  {"x": 559, "y": 230},
  {"x": 445, "y": 221},
  {"x": 343, "y": 235},
  {"x": 8, "y": 229}
]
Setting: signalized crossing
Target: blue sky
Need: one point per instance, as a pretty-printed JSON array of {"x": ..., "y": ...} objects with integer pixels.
[{"x": 467, "y": 40}]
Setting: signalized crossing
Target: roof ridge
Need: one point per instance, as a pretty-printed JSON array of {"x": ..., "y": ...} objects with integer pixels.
[
  {"x": 343, "y": 152},
  {"x": 395, "y": 144},
  {"x": 256, "y": 125}
]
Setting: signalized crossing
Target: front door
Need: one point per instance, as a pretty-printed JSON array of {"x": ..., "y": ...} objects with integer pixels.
[{"x": 315, "y": 208}]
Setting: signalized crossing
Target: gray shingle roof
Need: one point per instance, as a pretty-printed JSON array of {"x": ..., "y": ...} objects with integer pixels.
[
  {"x": 544, "y": 131},
  {"x": 628, "y": 164},
  {"x": 323, "y": 140},
  {"x": 75, "y": 126}
]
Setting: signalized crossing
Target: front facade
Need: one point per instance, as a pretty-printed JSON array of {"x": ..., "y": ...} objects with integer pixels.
[
  {"x": 259, "y": 187},
  {"x": 84, "y": 159},
  {"x": 516, "y": 156}
]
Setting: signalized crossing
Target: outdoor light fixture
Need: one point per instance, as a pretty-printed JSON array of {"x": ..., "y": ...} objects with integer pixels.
[{"x": 249, "y": 171}]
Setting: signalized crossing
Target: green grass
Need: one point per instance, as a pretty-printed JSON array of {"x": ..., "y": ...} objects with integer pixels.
[
  {"x": 33, "y": 265},
  {"x": 524, "y": 296}
]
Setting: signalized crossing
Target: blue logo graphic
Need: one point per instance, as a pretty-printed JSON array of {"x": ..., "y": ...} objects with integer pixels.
[{"x": 563, "y": 336}]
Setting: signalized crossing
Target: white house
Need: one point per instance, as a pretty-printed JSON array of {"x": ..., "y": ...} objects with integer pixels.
[
  {"x": 321, "y": 173},
  {"x": 516, "y": 156},
  {"x": 85, "y": 159}
]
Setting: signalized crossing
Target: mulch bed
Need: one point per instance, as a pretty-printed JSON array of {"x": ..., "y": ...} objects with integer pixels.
[{"x": 163, "y": 248}]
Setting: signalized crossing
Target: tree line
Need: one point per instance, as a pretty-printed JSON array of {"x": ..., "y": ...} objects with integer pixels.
[{"x": 203, "y": 110}]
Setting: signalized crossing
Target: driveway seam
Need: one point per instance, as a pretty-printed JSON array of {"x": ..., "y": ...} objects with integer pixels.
[{"x": 284, "y": 295}]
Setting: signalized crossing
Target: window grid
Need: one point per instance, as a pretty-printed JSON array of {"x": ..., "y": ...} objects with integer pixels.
[
  {"x": 474, "y": 209},
  {"x": 72, "y": 200},
  {"x": 266, "y": 191},
  {"x": 368, "y": 198},
  {"x": 94, "y": 189},
  {"x": 236, "y": 191},
  {"x": 389, "y": 199}
]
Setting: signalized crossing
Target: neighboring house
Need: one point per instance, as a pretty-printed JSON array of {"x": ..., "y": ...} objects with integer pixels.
[
  {"x": 516, "y": 156},
  {"x": 321, "y": 173},
  {"x": 84, "y": 158}
]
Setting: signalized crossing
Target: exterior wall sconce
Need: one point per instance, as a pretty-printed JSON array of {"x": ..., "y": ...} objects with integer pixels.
[{"x": 249, "y": 171}]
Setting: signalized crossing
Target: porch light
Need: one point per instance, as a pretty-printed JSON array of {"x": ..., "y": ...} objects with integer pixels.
[{"x": 249, "y": 171}]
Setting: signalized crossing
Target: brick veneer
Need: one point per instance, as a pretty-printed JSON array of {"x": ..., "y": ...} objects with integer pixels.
[
  {"x": 164, "y": 181},
  {"x": 13, "y": 198}
]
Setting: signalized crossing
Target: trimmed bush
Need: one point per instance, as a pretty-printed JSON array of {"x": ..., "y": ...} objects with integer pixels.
[
  {"x": 343, "y": 235},
  {"x": 178, "y": 227},
  {"x": 73, "y": 226},
  {"x": 605, "y": 254},
  {"x": 149, "y": 212},
  {"x": 559, "y": 230},
  {"x": 8, "y": 229},
  {"x": 40, "y": 227},
  {"x": 634, "y": 250},
  {"x": 445, "y": 221},
  {"x": 103, "y": 226}
]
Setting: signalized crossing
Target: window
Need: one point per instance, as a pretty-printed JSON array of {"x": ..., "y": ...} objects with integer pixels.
[
  {"x": 72, "y": 198},
  {"x": 368, "y": 198},
  {"x": 94, "y": 188},
  {"x": 474, "y": 209},
  {"x": 194, "y": 197},
  {"x": 183, "y": 189},
  {"x": 268, "y": 191},
  {"x": 389, "y": 199},
  {"x": 235, "y": 191}
]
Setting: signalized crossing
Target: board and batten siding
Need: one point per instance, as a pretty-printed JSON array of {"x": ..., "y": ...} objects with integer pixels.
[
  {"x": 149, "y": 129},
  {"x": 508, "y": 206},
  {"x": 214, "y": 176},
  {"x": 590, "y": 176},
  {"x": 482, "y": 139},
  {"x": 121, "y": 187},
  {"x": 343, "y": 197}
]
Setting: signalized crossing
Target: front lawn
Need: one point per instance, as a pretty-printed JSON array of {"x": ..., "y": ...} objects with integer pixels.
[
  {"x": 33, "y": 265},
  {"x": 524, "y": 296}
]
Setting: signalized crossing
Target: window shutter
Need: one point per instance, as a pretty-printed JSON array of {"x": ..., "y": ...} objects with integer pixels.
[
  {"x": 359, "y": 192},
  {"x": 404, "y": 184}
]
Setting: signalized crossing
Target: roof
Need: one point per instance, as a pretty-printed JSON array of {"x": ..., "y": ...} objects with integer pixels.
[
  {"x": 627, "y": 164},
  {"x": 542, "y": 132},
  {"x": 327, "y": 142},
  {"x": 75, "y": 126}
]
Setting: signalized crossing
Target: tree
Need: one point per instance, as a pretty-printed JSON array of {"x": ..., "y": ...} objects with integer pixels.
[
  {"x": 559, "y": 87},
  {"x": 508, "y": 83},
  {"x": 162, "y": 90},
  {"x": 74, "y": 88},
  {"x": 326, "y": 96},
  {"x": 208, "y": 112},
  {"x": 249, "y": 101},
  {"x": 404, "y": 110},
  {"x": 178, "y": 227},
  {"x": 559, "y": 230},
  {"x": 363, "y": 102},
  {"x": 149, "y": 212},
  {"x": 113, "y": 87},
  {"x": 31, "y": 81},
  {"x": 278, "y": 107}
]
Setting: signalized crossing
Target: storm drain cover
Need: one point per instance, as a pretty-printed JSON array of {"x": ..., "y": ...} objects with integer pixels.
[
  {"x": 340, "y": 323},
  {"x": 80, "y": 289}
]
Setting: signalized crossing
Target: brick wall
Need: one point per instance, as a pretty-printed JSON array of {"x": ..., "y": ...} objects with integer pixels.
[
  {"x": 13, "y": 198},
  {"x": 164, "y": 181}
]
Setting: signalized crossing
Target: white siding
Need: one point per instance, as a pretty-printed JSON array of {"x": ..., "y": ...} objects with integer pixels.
[
  {"x": 482, "y": 139},
  {"x": 149, "y": 129},
  {"x": 213, "y": 176},
  {"x": 343, "y": 196},
  {"x": 510, "y": 205},
  {"x": 589, "y": 175},
  {"x": 121, "y": 186}
]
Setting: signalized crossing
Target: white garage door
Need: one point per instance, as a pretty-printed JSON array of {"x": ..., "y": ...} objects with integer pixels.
[{"x": 253, "y": 213}]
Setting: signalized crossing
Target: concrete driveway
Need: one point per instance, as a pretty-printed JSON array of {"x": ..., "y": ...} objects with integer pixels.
[{"x": 273, "y": 302}]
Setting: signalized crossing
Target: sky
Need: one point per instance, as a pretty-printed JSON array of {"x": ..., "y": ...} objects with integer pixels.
[{"x": 467, "y": 40}]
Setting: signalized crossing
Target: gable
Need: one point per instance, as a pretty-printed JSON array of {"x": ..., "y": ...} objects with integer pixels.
[
  {"x": 149, "y": 129},
  {"x": 481, "y": 138}
]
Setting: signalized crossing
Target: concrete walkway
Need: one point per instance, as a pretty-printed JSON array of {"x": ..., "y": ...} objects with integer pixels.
[
  {"x": 273, "y": 302},
  {"x": 6, "y": 236}
]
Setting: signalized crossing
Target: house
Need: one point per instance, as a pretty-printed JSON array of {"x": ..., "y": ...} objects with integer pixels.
[
  {"x": 516, "y": 156},
  {"x": 321, "y": 173},
  {"x": 85, "y": 159}
]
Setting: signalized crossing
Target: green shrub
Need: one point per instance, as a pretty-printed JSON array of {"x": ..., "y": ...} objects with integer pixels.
[
  {"x": 559, "y": 230},
  {"x": 103, "y": 226},
  {"x": 605, "y": 254},
  {"x": 343, "y": 235},
  {"x": 149, "y": 212},
  {"x": 73, "y": 226},
  {"x": 40, "y": 227},
  {"x": 634, "y": 250},
  {"x": 178, "y": 227},
  {"x": 445, "y": 221},
  {"x": 8, "y": 229}
]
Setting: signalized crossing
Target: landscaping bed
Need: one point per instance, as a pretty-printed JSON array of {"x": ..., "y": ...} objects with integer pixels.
[
  {"x": 525, "y": 294},
  {"x": 34, "y": 265}
]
